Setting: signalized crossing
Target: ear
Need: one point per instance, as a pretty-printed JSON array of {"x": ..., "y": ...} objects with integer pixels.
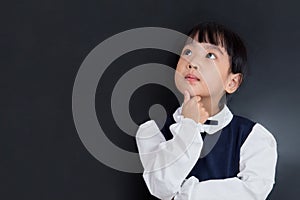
[{"x": 233, "y": 83}]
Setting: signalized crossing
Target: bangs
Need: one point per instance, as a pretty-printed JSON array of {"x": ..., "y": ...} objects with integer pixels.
[{"x": 212, "y": 33}]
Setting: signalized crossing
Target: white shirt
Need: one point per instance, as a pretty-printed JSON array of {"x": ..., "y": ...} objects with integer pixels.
[{"x": 167, "y": 163}]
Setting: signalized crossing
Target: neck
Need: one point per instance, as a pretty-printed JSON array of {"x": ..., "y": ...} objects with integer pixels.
[{"x": 213, "y": 105}]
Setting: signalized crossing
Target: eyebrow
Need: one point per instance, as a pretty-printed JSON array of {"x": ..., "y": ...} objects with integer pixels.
[{"x": 210, "y": 46}]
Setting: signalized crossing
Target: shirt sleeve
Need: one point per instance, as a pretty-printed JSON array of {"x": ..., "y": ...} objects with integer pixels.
[
  {"x": 255, "y": 180},
  {"x": 167, "y": 163}
]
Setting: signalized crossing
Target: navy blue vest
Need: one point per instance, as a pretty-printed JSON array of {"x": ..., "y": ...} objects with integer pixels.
[{"x": 222, "y": 161}]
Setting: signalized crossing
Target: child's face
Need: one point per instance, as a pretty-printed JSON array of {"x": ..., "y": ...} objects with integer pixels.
[{"x": 204, "y": 69}]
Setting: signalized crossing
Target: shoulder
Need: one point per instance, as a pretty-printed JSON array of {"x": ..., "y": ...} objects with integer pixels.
[
  {"x": 264, "y": 134},
  {"x": 260, "y": 136},
  {"x": 257, "y": 128},
  {"x": 242, "y": 121},
  {"x": 256, "y": 131},
  {"x": 241, "y": 126}
]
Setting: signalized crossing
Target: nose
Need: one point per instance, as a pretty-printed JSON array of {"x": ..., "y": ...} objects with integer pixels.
[{"x": 190, "y": 66}]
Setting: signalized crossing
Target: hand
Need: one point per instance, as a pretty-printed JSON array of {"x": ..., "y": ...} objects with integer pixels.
[{"x": 193, "y": 108}]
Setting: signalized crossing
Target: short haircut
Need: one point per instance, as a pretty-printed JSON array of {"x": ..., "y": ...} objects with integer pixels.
[{"x": 217, "y": 34}]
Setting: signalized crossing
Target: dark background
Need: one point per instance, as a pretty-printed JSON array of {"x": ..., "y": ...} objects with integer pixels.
[{"x": 43, "y": 44}]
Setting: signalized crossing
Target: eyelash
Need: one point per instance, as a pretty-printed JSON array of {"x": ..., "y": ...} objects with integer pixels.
[
  {"x": 213, "y": 55},
  {"x": 185, "y": 51},
  {"x": 207, "y": 55}
]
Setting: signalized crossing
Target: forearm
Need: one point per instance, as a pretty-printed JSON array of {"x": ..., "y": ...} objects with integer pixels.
[
  {"x": 168, "y": 163},
  {"x": 225, "y": 189}
]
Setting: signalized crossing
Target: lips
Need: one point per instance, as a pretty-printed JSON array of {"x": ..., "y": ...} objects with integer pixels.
[{"x": 191, "y": 77}]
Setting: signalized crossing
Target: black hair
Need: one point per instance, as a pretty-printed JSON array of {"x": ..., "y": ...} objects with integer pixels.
[{"x": 217, "y": 34}]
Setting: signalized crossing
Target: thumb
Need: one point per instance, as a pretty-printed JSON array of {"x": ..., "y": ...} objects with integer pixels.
[{"x": 186, "y": 96}]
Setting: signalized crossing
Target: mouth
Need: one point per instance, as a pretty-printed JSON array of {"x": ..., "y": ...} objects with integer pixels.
[{"x": 191, "y": 77}]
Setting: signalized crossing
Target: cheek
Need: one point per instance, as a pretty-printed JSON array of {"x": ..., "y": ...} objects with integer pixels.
[
  {"x": 213, "y": 79},
  {"x": 179, "y": 81},
  {"x": 180, "y": 65}
]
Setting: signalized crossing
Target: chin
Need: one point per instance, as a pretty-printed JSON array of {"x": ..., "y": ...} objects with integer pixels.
[{"x": 192, "y": 91}]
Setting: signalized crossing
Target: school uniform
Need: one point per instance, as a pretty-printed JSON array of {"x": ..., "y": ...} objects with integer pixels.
[{"x": 228, "y": 157}]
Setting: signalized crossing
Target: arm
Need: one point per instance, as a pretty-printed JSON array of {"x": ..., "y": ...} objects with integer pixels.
[
  {"x": 258, "y": 159},
  {"x": 167, "y": 163}
]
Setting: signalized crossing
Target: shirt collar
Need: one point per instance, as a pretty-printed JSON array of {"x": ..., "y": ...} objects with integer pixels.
[{"x": 223, "y": 117}]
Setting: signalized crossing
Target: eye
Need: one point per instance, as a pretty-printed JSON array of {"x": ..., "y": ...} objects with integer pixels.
[
  {"x": 211, "y": 56},
  {"x": 187, "y": 52}
]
